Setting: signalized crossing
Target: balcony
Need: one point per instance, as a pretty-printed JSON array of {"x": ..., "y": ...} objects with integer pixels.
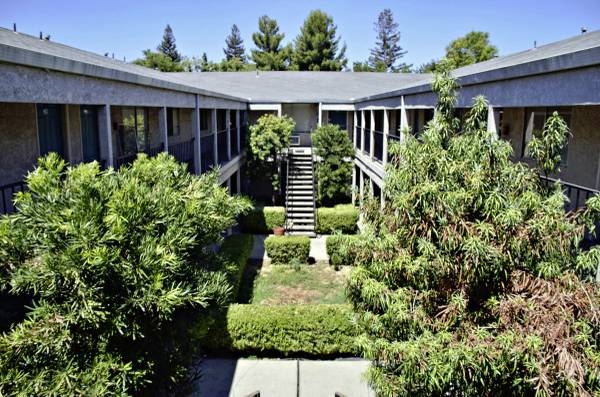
[
  {"x": 378, "y": 145},
  {"x": 130, "y": 157},
  {"x": 207, "y": 155},
  {"x": 367, "y": 141},
  {"x": 391, "y": 139},
  {"x": 184, "y": 153},
  {"x": 358, "y": 135},
  {"x": 222, "y": 154},
  {"x": 234, "y": 142}
]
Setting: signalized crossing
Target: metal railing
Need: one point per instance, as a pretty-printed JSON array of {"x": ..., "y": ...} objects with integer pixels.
[
  {"x": 576, "y": 194},
  {"x": 358, "y": 137},
  {"x": 222, "y": 154},
  {"x": 183, "y": 152},
  {"x": 207, "y": 153},
  {"x": 234, "y": 142},
  {"x": 367, "y": 141},
  {"x": 8, "y": 192},
  {"x": 287, "y": 191},
  {"x": 378, "y": 145},
  {"x": 130, "y": 158}
]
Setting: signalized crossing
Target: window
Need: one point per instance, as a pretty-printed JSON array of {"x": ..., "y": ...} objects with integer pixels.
[
  {"x": 133, "y": 130},
  {"x": 535, "y": 118},
  {"x": 173, "y": 126}
]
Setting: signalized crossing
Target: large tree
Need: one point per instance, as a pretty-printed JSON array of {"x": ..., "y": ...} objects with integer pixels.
[
  {"x": 167, "y": 46},
  {"x": 472, "y": 48},
  {"x": 387, "y": 50},
  {"x": 317, "y": 47},
  {"x": 234, "y": 45},
  {"x": 269, "y": 54}
]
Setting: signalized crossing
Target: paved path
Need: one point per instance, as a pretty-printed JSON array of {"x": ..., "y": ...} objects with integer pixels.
[
  {"x": 282, "y": 378},
  {"x": 318, "y": 251}
]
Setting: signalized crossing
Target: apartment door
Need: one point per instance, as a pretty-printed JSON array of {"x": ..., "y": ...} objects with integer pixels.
[
  {"x": 89, "y": 133},
  {"x": 50, "y": 129}
]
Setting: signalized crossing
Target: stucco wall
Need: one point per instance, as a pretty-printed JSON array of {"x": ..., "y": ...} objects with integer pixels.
[
  {"x": 72, "y": 128},
  {"x": 584, "y": 147},
  {"x": 306, "y": 116},
  {"x": 19, "y": 147}
]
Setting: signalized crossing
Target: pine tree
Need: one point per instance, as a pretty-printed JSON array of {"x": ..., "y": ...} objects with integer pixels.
[
  {"x": 270, "y": 55},
  {"x": 317, "y": 46},
  {"x": 235, "y": 47},
  {"x": 168, "y": 47},
  {"x": 387, "y": 51}
]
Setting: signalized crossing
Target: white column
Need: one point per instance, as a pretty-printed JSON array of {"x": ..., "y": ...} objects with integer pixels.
[
  {"x": 353, "y": 190},
  {"x": 239, "y": 134},
  {"x": 381, "y": 197},
  {"x": 354, "y": 129},
  {"x": 362, "y": 130},
  {"x": 197, "y": 136},
  {"x": 215, "y": 137},
  {"x": 372, "y": 133},
  {"x": 320, "y": 122},
  {"x": 491, "y": 123},
  {"x": 386, "y": 133},
  {"x": 279, "y": 110},
  {"x": 228, "y": 124},
  {"x": 163, "y": 128},
  {"x": 361, "y": 187},
  {"x": 106, "y": 134},
  {"x": 403, "y": 118}
]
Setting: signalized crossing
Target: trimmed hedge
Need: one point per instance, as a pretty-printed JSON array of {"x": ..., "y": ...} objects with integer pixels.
[
  {"x": 342, "y": 218},
  {"x": 287, "y": 330},
  {"x": 283, "y": 249},
  {"x": 235, "y": 251},
  {"x": 262, "y": 220},
  {"x": 340, "y": 249}
]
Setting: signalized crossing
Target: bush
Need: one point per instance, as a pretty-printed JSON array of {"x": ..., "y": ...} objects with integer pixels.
[
  {"x": 262, "y": 220},
  {"x": 120, "y": 267},
  {"x": 341, "y": 218},
  {"x": 283, "y": 249},
  {"x": 340, "y": 249},
  {"x": 235, "y": 252},
  {"x": 286, "y": 330}
]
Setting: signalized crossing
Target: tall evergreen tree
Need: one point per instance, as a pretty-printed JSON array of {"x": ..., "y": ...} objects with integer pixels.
[
  {"x": 387, "y": 51},
  {"x": 270, "y": 55},
  {"x": 317, "y": 47},
  {"x": 234, "y": 45},
  {"x": 168, "y": 47}
]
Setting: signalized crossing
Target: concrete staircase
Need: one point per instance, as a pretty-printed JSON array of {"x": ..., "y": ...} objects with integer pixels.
[{"x": 300, "y": 194}]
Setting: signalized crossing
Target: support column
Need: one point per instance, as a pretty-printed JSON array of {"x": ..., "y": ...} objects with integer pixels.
[
  {"x": 106, "y": 134},
  {"x": 238, "y": 176},
  {"x": 491, "y": 123},
  {"x": 228, "y": 124},
  {"x": 196, "y": 134},
  {"x": 362, "y": 130},
  {"x": 163, "y": 128},
  {"x": 320, "y": 122},
  {"x": 279, "y": 111},
  {"x": 372, "y": 134},
  {"x": 386, "y": 133},
  {"x": 353, "y": 190},
  {"x": 238, "y": 132},
  {"x": 361, "y": 187},
  {"x": 403, "y": 119},
  {"x": 354, "y": 129},
  {"x": 215, "y": 137}
]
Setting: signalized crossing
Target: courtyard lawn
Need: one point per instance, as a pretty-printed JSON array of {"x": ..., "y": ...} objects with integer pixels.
[{"x": 307, "y": 284}]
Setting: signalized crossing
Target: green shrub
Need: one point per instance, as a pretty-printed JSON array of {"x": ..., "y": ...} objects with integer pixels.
[
  {"x": 283, "y": 249},
  {"x": 235, "y": 251},
  {"x": 340, "y": 249},
  {"x": 287, "y": 330},
  {"x": 262, "y": 220},
  {"x": 119, "y": 265},
  {"x": 341, "y": 218}
]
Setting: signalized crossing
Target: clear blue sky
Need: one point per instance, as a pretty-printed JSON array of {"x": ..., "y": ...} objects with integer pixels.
[{"x": 126, "y": 27}]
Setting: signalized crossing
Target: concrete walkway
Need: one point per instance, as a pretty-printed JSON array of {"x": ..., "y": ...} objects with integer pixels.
[
  {"x": 318, "y": 250},
  {"x": 282, "y": 378}
]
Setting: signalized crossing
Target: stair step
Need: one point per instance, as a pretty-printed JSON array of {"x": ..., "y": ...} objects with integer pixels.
[
  {"x": 303, "y": 215},
  {"x": 302, "y": 228},
  {"x": 300, "y": 209},
  {"x": 309, "y": 234}
]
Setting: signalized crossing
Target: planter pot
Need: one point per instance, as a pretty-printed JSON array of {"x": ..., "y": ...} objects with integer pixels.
[{"x": 278, "y": 231}]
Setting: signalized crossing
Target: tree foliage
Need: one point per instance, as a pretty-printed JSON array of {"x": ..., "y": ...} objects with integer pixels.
[
  {"x": 270, "y": 54},
  {"x": 234, "y": 45},
  {"x": 162, "y": 62},
  {"x": 470, "y": 277},
  {"x": 548, "y": 147},
  {"x": 121, "y": 269},
  {"x": 387, "y": 50},
  {"x": 334, "y": 168},
  {"x": 268, "y": 137},
  {"x": 472, "y": 48},
  {"x": 168, "y": 47},
  {"x": 317, "y": 47}
]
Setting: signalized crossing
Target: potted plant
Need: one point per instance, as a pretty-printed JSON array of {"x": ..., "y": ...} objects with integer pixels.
[{"x": 279, "y": 230}]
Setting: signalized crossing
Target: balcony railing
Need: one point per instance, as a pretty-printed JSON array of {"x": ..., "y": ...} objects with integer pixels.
[
  {"x": 243, "y": 137},
  {"x": 358, "y": 135},
  {"x": 576, "y": 194},
  {"x": 378, "y": 145},
  {"x": 130, "y": 158},
  {"x": 184, "y": 152},
  {"x": 367, "y": 140},
  {"x": 234, "y": 142},
  {"x": 207, "y": 142},
  {"x": 222, "y": 147},
  {"x": 8, "y": 192}
]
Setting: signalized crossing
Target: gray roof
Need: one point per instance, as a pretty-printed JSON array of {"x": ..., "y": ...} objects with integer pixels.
[
  {"x": 28, "y": 50},
  {"x": 302, "y": 87}
]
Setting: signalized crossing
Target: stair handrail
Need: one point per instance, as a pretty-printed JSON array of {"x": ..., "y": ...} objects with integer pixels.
[
  {"x": 314, "y": 175},
  {"x": 287, "y": 189}
]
